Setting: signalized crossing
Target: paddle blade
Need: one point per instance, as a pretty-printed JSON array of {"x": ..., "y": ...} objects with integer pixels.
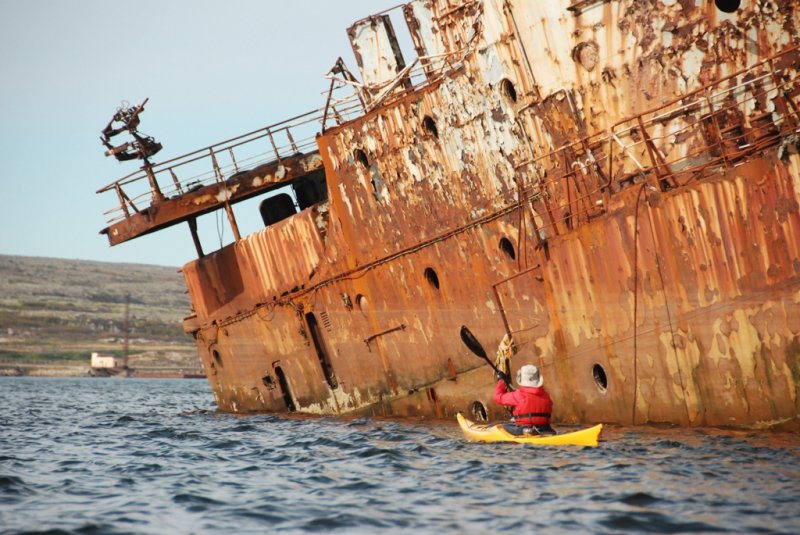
[{"x": 472, "y": 343}]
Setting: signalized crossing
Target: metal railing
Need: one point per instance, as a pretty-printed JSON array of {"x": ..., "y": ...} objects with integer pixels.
[
  {"x": 223, "y": 160},
  {"x": 214, "y": 163},
  {"x": 719, "y": 125},
  {"x": 347, "y": 99}
]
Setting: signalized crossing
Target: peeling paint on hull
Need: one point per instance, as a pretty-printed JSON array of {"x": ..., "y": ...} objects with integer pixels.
[{"x": 613, "y": 185}]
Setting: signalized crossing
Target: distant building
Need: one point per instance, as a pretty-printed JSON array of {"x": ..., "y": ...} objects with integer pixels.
[{"x": 106, "y": 361}]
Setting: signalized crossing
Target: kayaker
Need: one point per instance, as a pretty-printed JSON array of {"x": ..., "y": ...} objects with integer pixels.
[{"x": 531, "y": 403}]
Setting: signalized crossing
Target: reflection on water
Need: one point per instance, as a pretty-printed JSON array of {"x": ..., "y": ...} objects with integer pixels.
[{"x": 153, "y": 456}]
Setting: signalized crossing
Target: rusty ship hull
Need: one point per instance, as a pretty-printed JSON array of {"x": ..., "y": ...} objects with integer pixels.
[{"x": 607, "y": 189}]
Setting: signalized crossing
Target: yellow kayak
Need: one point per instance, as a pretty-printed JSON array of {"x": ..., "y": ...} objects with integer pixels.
[{"x": 495, "y": 433}]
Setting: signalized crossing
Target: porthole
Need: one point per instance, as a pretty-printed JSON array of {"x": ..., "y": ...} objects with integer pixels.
[
  {"x": 600, "y": 379},
  {"x": 361, "y": 157},
  {"x": 432, "y": 277},
  {"x": 728, "y": 6},
  {"x": 508, "y": 89},
  {"x": 430, "y": 126},
  {"x": 362, "y": 303},
  {"x": 508, "y": 248},
  {"x": 478, "y": 411},
  {"x": 587, "y": 54}
]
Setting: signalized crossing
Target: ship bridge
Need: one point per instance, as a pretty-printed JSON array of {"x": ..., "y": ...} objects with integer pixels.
[
  {"x": 271, "y": 159},
  {"x": 281, "y": 161}
]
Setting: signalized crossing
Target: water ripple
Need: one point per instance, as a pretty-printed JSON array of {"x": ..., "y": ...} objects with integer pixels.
[{"x": 119, "y": 456}]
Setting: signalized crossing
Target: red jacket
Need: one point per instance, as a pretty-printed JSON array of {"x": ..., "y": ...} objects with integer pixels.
[{"x": 532, "y": 404}]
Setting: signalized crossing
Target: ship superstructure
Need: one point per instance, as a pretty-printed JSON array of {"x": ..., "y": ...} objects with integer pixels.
[{"x": 607, "y": 189}]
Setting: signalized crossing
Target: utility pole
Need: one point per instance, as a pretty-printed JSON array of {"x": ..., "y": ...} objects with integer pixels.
[{"x": 126, "y": 328}]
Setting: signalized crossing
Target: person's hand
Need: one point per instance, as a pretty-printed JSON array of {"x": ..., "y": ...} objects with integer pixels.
[{"x": 502, "y": 376}]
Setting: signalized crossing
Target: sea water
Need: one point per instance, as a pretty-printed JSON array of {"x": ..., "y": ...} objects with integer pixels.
[{"x": 155, "y": 456}]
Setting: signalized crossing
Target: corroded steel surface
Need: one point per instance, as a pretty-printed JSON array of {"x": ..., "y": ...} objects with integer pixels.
[
  {"x": 203, "y": 199},
  {"x": 378, "y": 55},
  {"x": 612, "y": 185}
]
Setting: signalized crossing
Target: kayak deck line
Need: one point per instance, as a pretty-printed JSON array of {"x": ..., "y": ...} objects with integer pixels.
[{"x": 477, "y": 432}]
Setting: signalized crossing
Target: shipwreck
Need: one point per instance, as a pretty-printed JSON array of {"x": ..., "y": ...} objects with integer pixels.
[{"x": 609, "y": 189}]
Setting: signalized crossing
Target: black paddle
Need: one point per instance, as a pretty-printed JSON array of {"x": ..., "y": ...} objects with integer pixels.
[{"x": 473, "y": 345}]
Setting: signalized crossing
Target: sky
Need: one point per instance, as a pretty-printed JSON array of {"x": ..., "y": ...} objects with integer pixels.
[{"x": 212, "y": 71}]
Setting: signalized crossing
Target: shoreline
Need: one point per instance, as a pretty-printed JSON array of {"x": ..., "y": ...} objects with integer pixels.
[{"x": 83, "y": 370}]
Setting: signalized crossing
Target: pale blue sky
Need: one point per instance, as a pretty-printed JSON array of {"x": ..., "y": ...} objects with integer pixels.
[{"x": 212, "y": 70}]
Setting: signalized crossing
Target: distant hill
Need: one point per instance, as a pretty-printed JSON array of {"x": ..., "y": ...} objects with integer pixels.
[{"x": 65, "y": 309}]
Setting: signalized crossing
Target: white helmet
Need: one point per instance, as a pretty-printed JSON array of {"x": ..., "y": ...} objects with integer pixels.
[{"x": 529, "y": 375}]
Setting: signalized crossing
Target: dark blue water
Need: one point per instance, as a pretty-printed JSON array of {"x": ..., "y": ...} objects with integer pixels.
[{"x": 154, "y": 456}]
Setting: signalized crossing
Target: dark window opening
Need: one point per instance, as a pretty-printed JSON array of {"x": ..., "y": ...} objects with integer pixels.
[
  {"x": 430, "y": 125},
  {"x": 508, "y": 248},
  {"x": 728, "y": 6},
  {"x": 322, "y": 354},
  {"x": 432, "y": 277},
  {"x": 287, "y": 394},
  {"x": 508, "y": 89},
  {"x": 478, "y": 412},
  {"x": 600, "y": 378},
  {"x": 310, "y": 189},
  {"x": 361, "y": 157},
  {"x": 276, "y": 208}
]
